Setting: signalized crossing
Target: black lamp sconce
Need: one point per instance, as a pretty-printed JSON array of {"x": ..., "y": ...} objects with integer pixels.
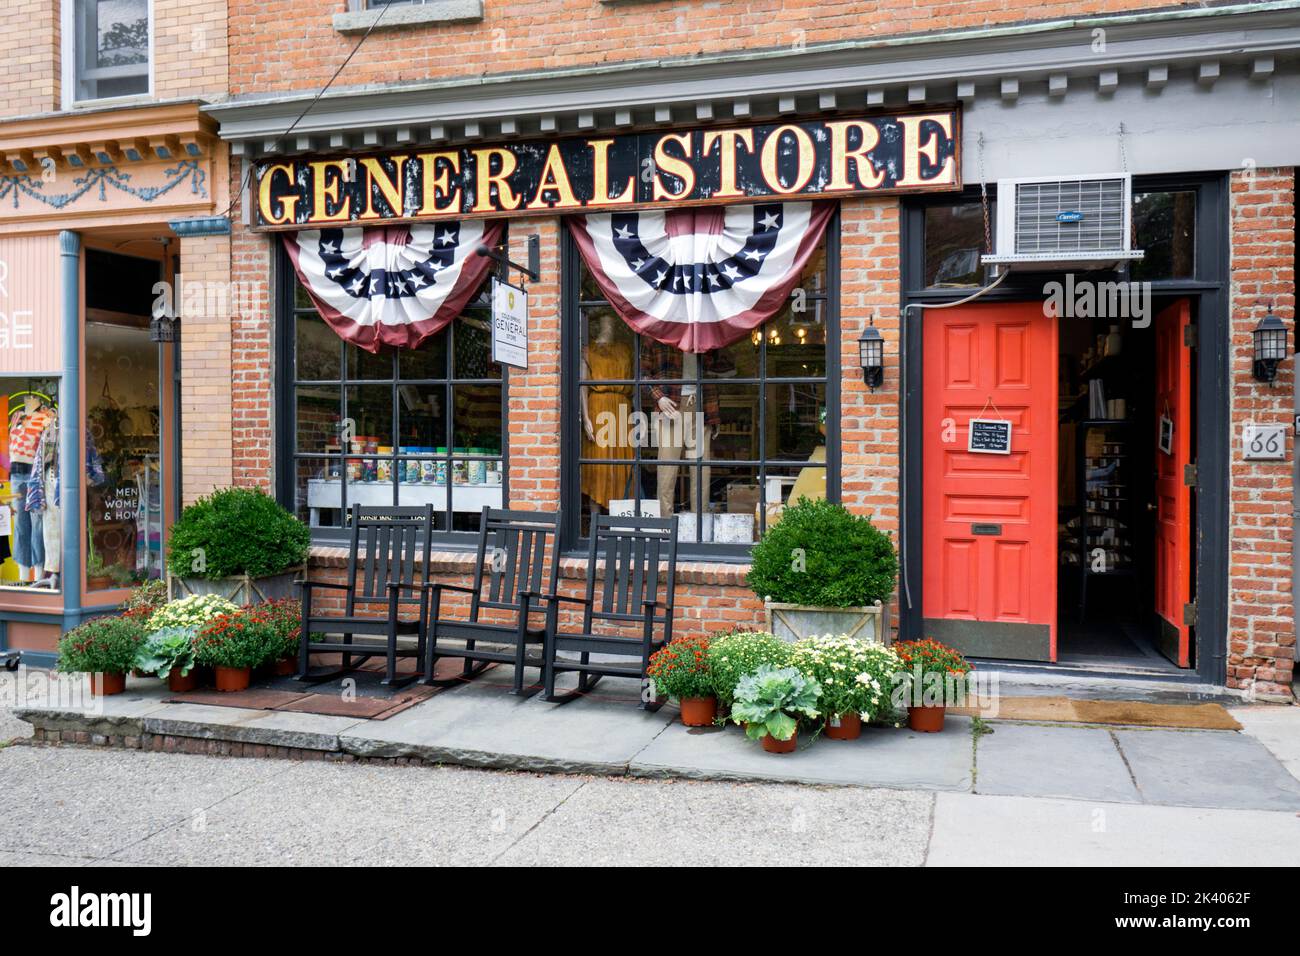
[
  {"x": 871, "y": 355},
  {"x": 1270, "y": 347}
]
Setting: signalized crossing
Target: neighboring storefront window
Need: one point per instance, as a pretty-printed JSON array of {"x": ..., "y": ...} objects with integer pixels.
[
  {"x": 725, "y": 439},
  {"x": 402, "y": 427},
  {"x": 110, "y": 55},
  {"x": 954, "y": 241},
  {"x": 31, "y": 541}
]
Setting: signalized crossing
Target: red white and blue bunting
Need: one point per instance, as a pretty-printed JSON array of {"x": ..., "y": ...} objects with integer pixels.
[
  {"x": 392, "y": 285},
  {"x": 700, "y": 279}
]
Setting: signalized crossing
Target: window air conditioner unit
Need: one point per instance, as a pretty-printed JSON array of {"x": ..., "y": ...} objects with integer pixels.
[{"x": 1050, "y": 224}]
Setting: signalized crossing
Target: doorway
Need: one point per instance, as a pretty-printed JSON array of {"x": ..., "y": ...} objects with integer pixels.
[{"x": 1071, "y": 541}]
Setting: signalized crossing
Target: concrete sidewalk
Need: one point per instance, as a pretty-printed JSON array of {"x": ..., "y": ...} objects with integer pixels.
[{"x": 481, "y": 725}]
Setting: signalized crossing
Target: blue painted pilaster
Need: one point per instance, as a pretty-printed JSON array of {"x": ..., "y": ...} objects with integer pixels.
[{"x": 71, "y": 461}]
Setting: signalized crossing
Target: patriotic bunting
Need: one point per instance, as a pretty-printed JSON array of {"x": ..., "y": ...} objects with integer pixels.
[
  {"x": 700, "y": 279},
  {"x": 392, "y": 285}
]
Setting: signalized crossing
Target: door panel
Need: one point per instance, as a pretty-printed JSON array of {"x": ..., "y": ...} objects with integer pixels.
[
  {"x": 994, "y": 593},
  {"x": 1173, "y": 560}
]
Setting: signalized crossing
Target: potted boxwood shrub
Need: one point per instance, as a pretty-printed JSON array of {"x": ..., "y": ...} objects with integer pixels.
[
  {"x": 103, "y": 647},
  {"x": 169, "y": 654},
  {"x": 233, "y": 644},
  {"x": 681, "y": 670},
  {"x": 770, "y": 701},
  {"x": 856, "y": 679},
  {"x": 823, "y": 570},
  {"x": 929, "y": 670},
  {"x": 732, "y": 655},
  {"x": 237, "y": 543}
]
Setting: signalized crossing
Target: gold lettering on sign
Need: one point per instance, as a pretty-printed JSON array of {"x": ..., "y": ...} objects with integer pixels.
[
  {"x": 324, "y": 191},
  {"x": 600, "y": 176},
  {"x": 866, "y": 174},
  {"x": 727, "y": 140},
  {"x": 804, "y": 157},
  {"x": 439, "y": 195},
  {"x": 679, "y": 166},
  {"x": 555, "y": 179},
  {"x": 914, "y": 149},
  {"x": 484, "y": 179},
  {"x": 288, "y": 204},
  {"x": 389, "y": 187}
]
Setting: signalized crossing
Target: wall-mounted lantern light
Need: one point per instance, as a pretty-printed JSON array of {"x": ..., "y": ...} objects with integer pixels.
[
  {"x": 871, "y": 354},
  {"x": 162, "y": 328},
  {"x": 1270, "y": 347}
]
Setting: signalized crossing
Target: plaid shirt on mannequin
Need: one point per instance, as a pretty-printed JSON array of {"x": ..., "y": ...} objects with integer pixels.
[{"x": 659, "y": 361}]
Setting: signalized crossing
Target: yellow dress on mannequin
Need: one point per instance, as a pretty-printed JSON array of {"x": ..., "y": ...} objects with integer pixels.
[{"x": 609, "y": 408}]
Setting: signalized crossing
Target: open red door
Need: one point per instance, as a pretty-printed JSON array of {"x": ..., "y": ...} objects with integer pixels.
[
  {"x": 989, "y": 518},
  {"x": 1173, "y": 544}
]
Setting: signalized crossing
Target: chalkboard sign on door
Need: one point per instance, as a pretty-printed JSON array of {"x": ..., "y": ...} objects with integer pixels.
[{"x": 989, "y": 436}]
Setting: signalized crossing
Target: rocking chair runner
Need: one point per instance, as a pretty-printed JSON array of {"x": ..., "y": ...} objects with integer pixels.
[
  {"x": 381, "y": 571},
  {"x": 517, "y": 557},
  {"x": 636, "y": 594}
]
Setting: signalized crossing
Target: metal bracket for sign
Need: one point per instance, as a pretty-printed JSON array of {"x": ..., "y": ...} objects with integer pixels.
[{"x": 534, "y": 268}]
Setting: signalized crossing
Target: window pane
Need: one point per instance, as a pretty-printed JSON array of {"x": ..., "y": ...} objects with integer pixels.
[
  {"x": 736, "y": 411},
  {"x": 784, "y": 486},
  {"x": 423, "y": 413},
  {"x": 429, "y": 361},
  {"x": 31, "y": 546},
  {"x": 732, "y": 507},
  {"x": 366, "y": 366},
  {"x": 1165, "y": 228},
  {"x": 124, "y": 511},
  {"x": 316, "y": 350},
  {"x": 318, "y": 491},
  {"x": 954, "y": 237},
  {"x": 112, "y": 48},
  {"x": 319, "y": 411},
  {"x": 796, "y": 341},
  {"x": 370, "y": 411},
  {"x": 473, "y": 346},
  {"x": 477, "y": 419},
  {"x": 795, "y": 420}
]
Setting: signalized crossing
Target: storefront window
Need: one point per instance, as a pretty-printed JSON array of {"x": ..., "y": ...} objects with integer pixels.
[
  {"x": 111, "y": 39},
  {"x": 725, "y": 439},
  {"x": 31, "y": 542},
  {"x": 402, "y": 427},
  {"x": 1164, "y": 227},
  {"x": 124, "y": 508}
]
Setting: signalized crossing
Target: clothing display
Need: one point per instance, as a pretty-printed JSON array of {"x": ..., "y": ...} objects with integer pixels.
[
  {"x": 29, "y": 537},
  {"x": 683, "y": 437},
  {"x": 608, "y": 410}
]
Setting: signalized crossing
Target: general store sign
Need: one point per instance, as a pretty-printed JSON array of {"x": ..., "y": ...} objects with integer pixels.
[{"x": 906, "y": 152}]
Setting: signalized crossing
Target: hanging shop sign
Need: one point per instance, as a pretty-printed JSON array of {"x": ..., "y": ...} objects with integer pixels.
[
  {"x": 906, "y": 152},
  {"x": 989, "y": 436},
  {"x": 509, "y": 325}
]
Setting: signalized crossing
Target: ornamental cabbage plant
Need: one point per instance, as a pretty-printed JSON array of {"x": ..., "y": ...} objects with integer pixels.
[
  {"x": 770, "y": 701},
  {"x": 170, "y": 649}
]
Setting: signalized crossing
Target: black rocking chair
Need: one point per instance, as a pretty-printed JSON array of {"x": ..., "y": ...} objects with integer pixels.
[
  {"x": 386, "y": 543},
  {"x": 639, "y": 572},
  {"x": 517, "y": 558}
]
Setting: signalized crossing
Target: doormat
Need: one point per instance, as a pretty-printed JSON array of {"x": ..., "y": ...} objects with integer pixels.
[{"x": 1132, "y": 713}]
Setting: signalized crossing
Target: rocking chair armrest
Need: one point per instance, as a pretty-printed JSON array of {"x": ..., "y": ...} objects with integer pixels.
[
  {"x": 439, "y": 586},
  {"x": 399, "y": 586},
  {"x": 332, "y": 585},
  {"x": 543, "y": 596}
]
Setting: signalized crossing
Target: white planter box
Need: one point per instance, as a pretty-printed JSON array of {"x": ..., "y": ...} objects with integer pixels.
[{"x": 792, "y": 622}]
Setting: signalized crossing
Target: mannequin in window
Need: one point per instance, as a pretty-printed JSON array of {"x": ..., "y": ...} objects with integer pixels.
[
  {"x": 606, "y": 413},
  {"x": 26, "y": 427},
  {"x": 687, "y": 421}
]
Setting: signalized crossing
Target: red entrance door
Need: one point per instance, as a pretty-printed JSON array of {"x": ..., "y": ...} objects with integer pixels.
[
  {"x": 1173, "y": 545},
  {"x": 989, "y": 520}
]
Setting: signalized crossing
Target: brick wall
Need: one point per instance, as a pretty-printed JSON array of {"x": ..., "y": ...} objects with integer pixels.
[
  {"x": 29, "y": 46},
  {"x": 1261, "y": 617},
  {"x": 252, "y": 259},
  {"x": 292, "y": 45},
  {"x": 206, "y": 370}
]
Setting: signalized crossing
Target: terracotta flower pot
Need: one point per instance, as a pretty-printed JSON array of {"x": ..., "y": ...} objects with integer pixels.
[
  {"x": 844, "y": 727},
  {"x": 105, "y": 685},
  {"x": 699, "y": 711},
  {"x": 285, "y": 667},
  {"x": 928, "y": 720},
  {"x": 178, "y": 684},
  {"x": 233, "y": 678},
  {"x": 774, "y": 746}
]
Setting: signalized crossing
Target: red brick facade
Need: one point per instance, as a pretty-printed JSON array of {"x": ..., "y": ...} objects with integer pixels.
[{"x": 1261, "y": 622}]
